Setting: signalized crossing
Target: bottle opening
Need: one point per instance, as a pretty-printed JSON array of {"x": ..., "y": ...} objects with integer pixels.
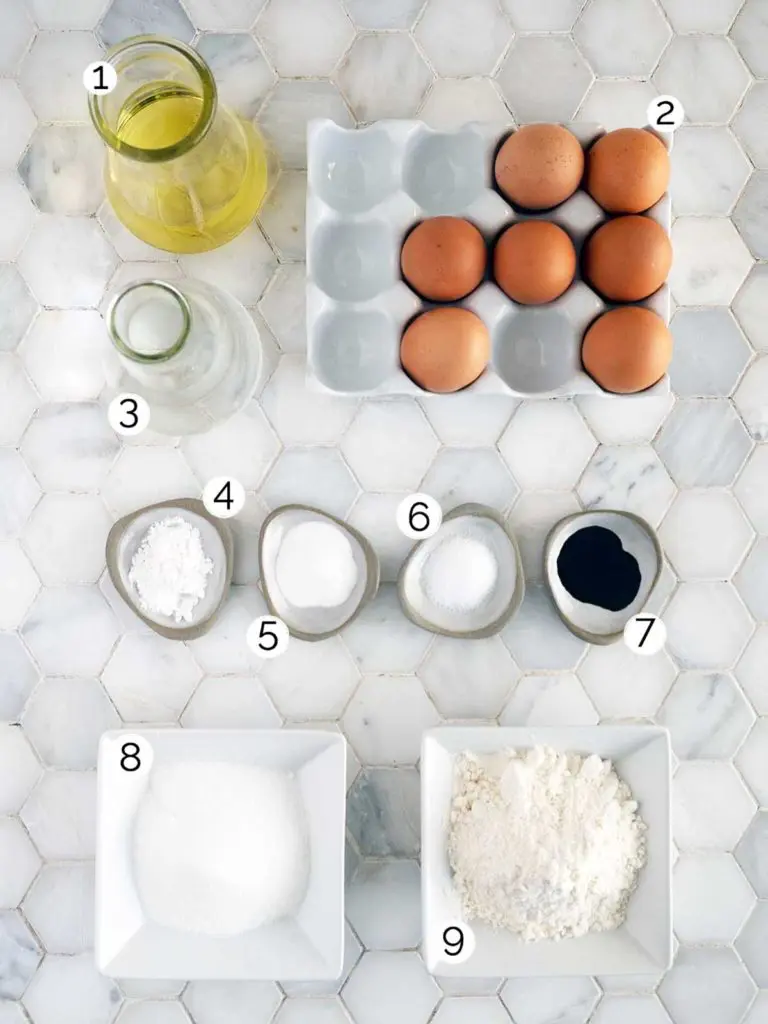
[{"x": 149, "y": 321}]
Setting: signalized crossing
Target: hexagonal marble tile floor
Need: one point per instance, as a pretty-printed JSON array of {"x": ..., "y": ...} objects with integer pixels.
[{"x": 74, "y": 661}]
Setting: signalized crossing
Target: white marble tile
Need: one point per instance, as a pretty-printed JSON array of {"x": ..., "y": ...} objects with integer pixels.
[
  {"x": 703, "y": 443},
  {"x": 17, "y": 307},
  {"x": 70, "y": 630},
  {"x": 18, "y": 120},
  {"x": 460, "y": 986},
  {"x": 20, "y": 493},
  {"x": 126, "y": 18},
  {"x": 707, "y": 625},
  {"x": 447, "y": 34},
  {"x": 19, "y": 584},
  {"x": 714, "y": 190},
  {"x": 18, "y": 400},
  {"x": 18, "y": 215},
  {"x": 62, "y": 169},
  {"x": 282, "y": 216},
  {"x": 711, "y": 806},
  {"x": 752, "y": 854},
  {"x": 19, "y": 769},
  {"x": 547, "y": 445},
  {"x": 150, "y": 679},
  {"x": 60, "y": 815},
  {"x": 617, "y": 103},
  {"x": 752, "y": 944},
  {"x": 67, "y": 261},
  {"x": 711, "y": 261},
  {"x": 532, "y": 517},
  {"x": 372, "y": 14},
  {"x": 243, "y": 447},
  {"x": 712, "y": 898},
  {"x": 352, "y": 953},
  {"x": 630, "y": 478},
  {"x": 750, "y": 580},
  {"x": 224, "y": 14},
  {"x": 751, "y": 307},
  {"x": 305, "y": 39},
  {"x": 18, "y": 676},
  {"x": 69, "y": 990},
  {"x": 52, "y": 74},
  {"x": 64, "y": 353},
  {"x": 300, "y": 416},
  {"x": 750, "y": 34},
  {"x": 51, "y": 14},
  {"x": 64, "y": 719},
  {"x": 622, "y": 685},
  {"x": 625, "y": 41},
  {"x": 556, "y": 698},
  {"x": 231, "y": 1002},
  {"x": 706, "y": 74},
  {"x": 469, "y": 1009},
  {"x": 695, "y": 518},
  {"x": 461, "y": 475},
  {"x": 319, "y": 476},
  {"x": 750, "y": 399},
  {"x": 758, "y": 1011},
  {"x": 535, "y": 16},
  {"x": 382, "y": 639},
  {"x": 751, "y": 215},
  {"x": 243, "y": 74},
  {"x": 550, "y": 1000},
  {"x": 387, "y": 986},
  {"x": 383, "y": 75},
  {"x": 452, "y": 102},
  {"x": 20, "y": 859},
  {"x": 21, "y": 956},
  {"x": 630, "y": 1009},
  {"x": 150, "y": 988},
  {"x": 311, "y": 680},
  {"x": 60, "y": 907},
  {"x": 242, "y": 267},
  {"x": 468, "y": 678},
  {"x": 145, "y": 475},
  {"x": 386, "y": 718},
  {"x": 710, "y": 353},
  {"x": 384, "y": 812},
  {"x": 707, "y": 715},
  {"x": 752, "y": 761},
  {"x": 283, "y": 308},
  {"x": 390, "y": 445},
  {"x": 223, "y": 650},
  {"x": 748, "y": 124},
  {"x": 230, "y": 702},
  {"x": 615, "y": 421},
  {"x": 328, "y": 1010},
  {"x": 65, "y": 538},
  {"x": 561, "y": 72},
  {"x": 383, "y": 904},
  {"x": 695, "y": 16},
  {"x": 375, "y": 516},
  {"x": 468, "y": 420},
  {"x": 538, "y": 638},
  {"x": 18, "y": 30},
  {"x": 289, "y": 108},
  {"x": 750, "y": 670},
  {"x": 147, "y": 1011}
]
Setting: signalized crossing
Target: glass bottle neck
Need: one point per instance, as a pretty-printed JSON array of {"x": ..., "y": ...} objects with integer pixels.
[{"x": 149, "y": 322}]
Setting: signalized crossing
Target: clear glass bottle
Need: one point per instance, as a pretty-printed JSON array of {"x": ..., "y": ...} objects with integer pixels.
[
  {"x": 183, "y": 172},
  {"x": 191, "y": 350}
]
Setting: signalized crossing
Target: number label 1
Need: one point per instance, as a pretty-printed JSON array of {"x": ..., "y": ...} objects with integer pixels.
[
  {"x": 456, "y": 942},
  {"x": 645, "y": 634},
  {"x": 419, "y": 516},
  {"x": 100, "y": 78},
  {"x": 224, "y": 497},
  {"x": 665, "y": 114},
  {"x": 267, "y": 636},
  {"x": 128, "y": 414}
]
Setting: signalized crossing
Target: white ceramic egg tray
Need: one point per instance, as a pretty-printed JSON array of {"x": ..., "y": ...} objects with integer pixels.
[{"x": 366, "y": 189}]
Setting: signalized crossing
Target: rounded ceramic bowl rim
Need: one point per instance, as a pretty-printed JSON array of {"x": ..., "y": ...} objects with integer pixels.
[
  {"x": 599, "y": 639},
  {"x": 371, "y": 562},
  {"x": 191, "y": 505},
  {"x": 478, "y": 511}
]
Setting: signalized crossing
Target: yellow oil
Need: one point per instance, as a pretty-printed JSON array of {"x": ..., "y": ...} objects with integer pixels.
[{"x": 196, "y": 201}]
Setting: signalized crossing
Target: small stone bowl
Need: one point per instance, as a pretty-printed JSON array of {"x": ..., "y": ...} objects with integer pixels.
[
  {"x": 589, "y": 622},
  {"x": 127, "y": 534},
  {"x": 487, "y": 526},
  {"x": 315, "y": 623}
]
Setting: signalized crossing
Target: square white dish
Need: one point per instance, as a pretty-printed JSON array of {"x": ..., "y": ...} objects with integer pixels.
[
  {"x": 641, "y": 945},
  {"x": 307, "y": 946},
  {"x": 366, "y": 189}
]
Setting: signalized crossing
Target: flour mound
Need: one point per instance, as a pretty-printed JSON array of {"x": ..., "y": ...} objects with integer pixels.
[
  {"x": 220, "y": 848},
  {"x": 544, "y": 844}
]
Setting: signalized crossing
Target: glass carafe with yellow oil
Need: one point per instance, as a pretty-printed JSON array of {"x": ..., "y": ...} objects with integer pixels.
[{"x": 183, "y": 172}]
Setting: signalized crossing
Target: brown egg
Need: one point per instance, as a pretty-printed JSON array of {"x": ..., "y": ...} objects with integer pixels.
[
  {"x": 539, "y": 166},
  {"x": 628, "y": 258},
  {"x": 444, "y": 350},
  {"x": 627, "y": 170},
  {"x": 534, "y": 261},
  {"x": 444, "y": 258},
  {"x": 627, "y": 349}
]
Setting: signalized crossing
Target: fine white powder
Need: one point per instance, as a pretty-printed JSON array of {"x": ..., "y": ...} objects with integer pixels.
[
  {"x": 220, "y": 848},
  {"x": 547, "y": 845},
  {"x": 315, "y": 566},
  {"x": 460, "y": 573},
  {"x": 170, "y": 570}
]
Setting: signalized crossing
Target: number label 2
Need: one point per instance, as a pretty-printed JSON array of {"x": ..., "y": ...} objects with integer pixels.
[{"x": 665, "y": 114}]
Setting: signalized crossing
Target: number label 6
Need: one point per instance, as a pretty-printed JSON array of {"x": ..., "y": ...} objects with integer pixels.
[{"x": 419, "y": 516}]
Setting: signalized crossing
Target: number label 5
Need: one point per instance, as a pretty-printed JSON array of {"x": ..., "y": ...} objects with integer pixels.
[{"x": 267, "y": 636}]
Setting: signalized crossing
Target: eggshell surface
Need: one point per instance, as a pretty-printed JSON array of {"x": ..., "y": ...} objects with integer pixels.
[
  {"x": 444, "y": 350},
  {"x": 627, "y": 350},
  {"x": 534, "y": 262},
  {"x": 628, "y": 258},
  {"x": 627, "y": 170},
  {"x": 539, "y": 166},
  {"x": 444, "y": 258}
]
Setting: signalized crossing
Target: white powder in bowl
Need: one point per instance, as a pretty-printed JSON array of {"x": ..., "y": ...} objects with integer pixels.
[
  {"x": 460, "y": 573},
  {"x": 170, "y": 569},
  {"x": 220, "y": 848},
  {"x": 315, "y": 566}
]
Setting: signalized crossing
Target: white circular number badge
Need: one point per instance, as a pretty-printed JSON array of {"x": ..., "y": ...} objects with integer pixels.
[
  {"x": 419, "y": 516},
  {"x": 224, "y": 497},
  {"x": 128, "y": 414},
  {"x": 645, "y": 634},
  {"x": 99, "y": 78},
  {"x": 456, "y": 942},
  {"x": 267, "y": 636},
  {"x": 665, "y": 114}
]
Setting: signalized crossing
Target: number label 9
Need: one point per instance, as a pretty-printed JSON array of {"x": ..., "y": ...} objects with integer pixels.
[
  {"x": 457, "y": 942},
  {"x": 419, "y": 516}
]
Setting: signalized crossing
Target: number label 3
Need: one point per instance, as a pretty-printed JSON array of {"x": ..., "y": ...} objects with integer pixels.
[
  {"x": 128, "y": 414},
  {"x": 457, "y": 942}
]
